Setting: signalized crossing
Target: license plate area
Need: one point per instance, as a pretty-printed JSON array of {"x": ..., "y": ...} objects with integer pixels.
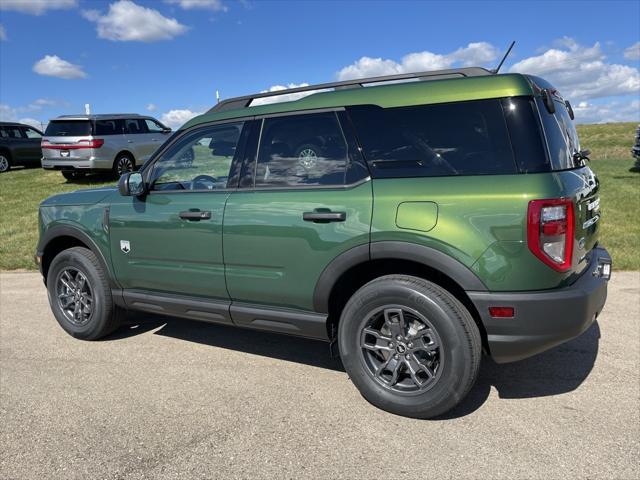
[{"x": 603, "y": 269}]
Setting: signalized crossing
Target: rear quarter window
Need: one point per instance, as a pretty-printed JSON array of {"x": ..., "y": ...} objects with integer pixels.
[
  {"x": 463, "y": 138},
  {"x": 561, "y": 135},
  {"x": 71, "y": 128}
]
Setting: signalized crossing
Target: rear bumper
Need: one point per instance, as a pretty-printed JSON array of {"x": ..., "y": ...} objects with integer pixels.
[
  {"x": 93, "y": 163},
  {"x": 543, "y": 319}
]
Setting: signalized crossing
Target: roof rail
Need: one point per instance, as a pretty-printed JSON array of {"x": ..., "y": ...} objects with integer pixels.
[{"x": 245, "y": 101}]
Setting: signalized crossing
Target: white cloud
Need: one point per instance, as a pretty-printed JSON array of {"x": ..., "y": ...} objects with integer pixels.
[
  {"x": 152, "y": 107},
  {"x": 11, "y": 114},
  {"x": 215, "y": 5},
  {"x": 177, "y": 118},
  {"x": 54, "y": 66},
  {"x": 287, "y": 97},
  {"x": 580, "y": 72},
  {"x": 128, "y": 21},
  {"x": 633, "y": 52},
  {"x": 614, "y": 111},
  {"x": 3, "y": 33},
  {"x": 36, "y": 7},
  {"x": 474, "y": 54}
]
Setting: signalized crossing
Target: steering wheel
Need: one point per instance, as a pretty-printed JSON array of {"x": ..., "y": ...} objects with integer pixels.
[{"x": 202, "y": 179}]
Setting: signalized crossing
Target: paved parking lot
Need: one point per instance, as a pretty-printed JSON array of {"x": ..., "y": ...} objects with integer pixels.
[{"x": 171, "y": 399}]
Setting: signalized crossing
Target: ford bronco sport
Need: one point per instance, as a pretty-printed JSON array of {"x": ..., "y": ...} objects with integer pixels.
[{"x": 414, "y": 225}]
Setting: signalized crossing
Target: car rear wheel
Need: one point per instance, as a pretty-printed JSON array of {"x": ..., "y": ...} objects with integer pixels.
[
  {"x": 409, "y": 346},
  {"x": 5, "y": 162},
  {"x": 80, "y": 296},
  {"x": 123, "y": 163}
]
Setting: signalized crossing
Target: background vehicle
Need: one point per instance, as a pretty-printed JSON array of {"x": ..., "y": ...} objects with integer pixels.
[
  {"x": 19, "y": 145},
  {"x": 414, "y": 225},
  {"x": 80, "y": 144}
]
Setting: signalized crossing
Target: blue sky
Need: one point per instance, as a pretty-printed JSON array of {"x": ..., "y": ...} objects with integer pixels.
[{"x": 168, "y": 57}]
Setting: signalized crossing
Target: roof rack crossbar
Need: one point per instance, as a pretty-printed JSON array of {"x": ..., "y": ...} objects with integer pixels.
[{"x": 245, "y": 101}]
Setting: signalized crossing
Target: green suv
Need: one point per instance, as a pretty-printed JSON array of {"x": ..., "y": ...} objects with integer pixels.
[{"x": 413, "y": 221}]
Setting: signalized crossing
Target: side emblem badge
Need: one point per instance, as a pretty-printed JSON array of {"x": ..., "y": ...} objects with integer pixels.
[{"x": 125, "y": 246}]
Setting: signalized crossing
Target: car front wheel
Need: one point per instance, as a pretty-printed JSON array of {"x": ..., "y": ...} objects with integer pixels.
[
  {"x": 80, "y": 296},
  {"x": 409, "y": 346}
]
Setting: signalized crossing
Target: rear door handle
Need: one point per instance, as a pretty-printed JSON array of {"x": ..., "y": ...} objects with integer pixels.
[
  {"x": 324, "y": 216},
  {"x": 195, "y": 215}
]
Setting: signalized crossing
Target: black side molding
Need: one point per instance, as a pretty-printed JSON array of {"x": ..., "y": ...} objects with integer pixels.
[
  {"x": 205, "y": 310},
  {"x": 58, "y": 231},
  {"x": 392, "y": 250}
]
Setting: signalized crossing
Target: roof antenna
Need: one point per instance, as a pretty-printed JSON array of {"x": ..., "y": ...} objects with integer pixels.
[
  {"x": 497, "y": 69},
  {"x": 217, "y": 96}
]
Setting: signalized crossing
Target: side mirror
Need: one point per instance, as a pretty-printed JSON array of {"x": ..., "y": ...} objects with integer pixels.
[
  {"x": 131, "y": 184},
  {"x": 570, "y": 110},
  {"x": 166, "y": 130}
]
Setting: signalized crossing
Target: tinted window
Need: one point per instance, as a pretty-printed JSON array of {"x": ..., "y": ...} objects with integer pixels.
[
  {"x": 68, "y": 128},
  {"x": 561, "y": 134},
  {"x": 465, "y": 138},
  {"x": 152, "y": 126},
  {"x": 10, "y": 132},
  {"x": 134, "y": 126},
  {"x": 526, "y": 135},
  {"x": 31, "y": 133},
  {"x": 200, "y": 161},
  {"x": 109, "y": 127},
  {"x": 301, "y": 150}
]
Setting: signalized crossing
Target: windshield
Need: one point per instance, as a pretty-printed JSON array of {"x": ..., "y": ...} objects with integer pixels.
[{"x": 68, "y": 128}]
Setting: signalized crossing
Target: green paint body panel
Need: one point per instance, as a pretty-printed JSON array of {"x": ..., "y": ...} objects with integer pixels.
[
  {"x": 398, "y": 95},
  {"x": 419, "y": 216},
  {"x": 273, "y": 256},
  {"x": 169, "y": 254}
]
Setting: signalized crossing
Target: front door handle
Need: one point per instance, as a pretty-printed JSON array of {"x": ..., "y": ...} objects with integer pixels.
[
  {"x": 324, "y": 216},
  {"x": 195, "y": 215}
]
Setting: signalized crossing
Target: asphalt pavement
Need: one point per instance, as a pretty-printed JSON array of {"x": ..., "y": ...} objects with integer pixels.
[{"x": 170, "y": 399}]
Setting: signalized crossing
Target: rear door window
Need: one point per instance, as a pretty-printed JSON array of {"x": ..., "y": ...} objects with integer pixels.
[
  {"x": 68, "y": 128},
  {"x": 301, "y": 150},
  {"x": 463, "y": 138}
]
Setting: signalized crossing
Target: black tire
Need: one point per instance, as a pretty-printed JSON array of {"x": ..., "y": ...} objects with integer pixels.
[
  {"x": 104, "y": 316},
  {"x": 5, "y": 161},
  {"x": 124, "y": 162},
  {"x": 453, "y": 366},
  {"x": 72, "y": 174}
]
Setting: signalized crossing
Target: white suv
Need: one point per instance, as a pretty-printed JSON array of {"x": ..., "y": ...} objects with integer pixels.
[{"x": 80, "y": 144}]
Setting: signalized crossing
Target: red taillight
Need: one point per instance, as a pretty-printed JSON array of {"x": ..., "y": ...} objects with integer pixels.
[
  {"x": 502, "y": 312},
  {"x": 93, "y": 143},
  {"x": 550, "y": 227}
]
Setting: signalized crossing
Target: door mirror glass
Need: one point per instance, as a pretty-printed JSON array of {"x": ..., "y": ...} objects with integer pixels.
[{"x": 131, "y": 184}]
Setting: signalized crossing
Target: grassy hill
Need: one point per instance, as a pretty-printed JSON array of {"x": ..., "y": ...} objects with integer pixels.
[{"x": 22, "y": 190}]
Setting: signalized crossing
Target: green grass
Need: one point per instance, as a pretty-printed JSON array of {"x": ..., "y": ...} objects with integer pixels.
[{"x": 21, "y": 191}]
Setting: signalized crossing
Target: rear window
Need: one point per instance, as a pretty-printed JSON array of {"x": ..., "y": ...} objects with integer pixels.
[
  {"x": 561, "y": 135},
  {"x": 68, "y": 128},
  {"x": 463, "y": 138}
]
